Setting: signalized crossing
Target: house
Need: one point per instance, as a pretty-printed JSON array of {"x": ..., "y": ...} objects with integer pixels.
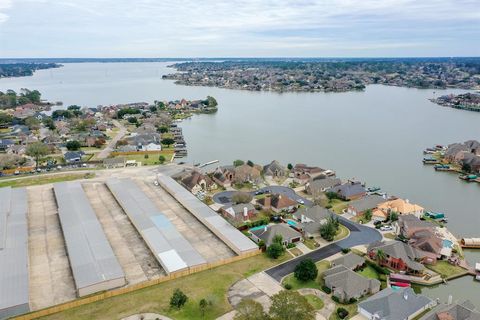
[
  {"x": 18, "y": 149},
  {"x": 239, "y": 212},
  {"x": 267, "y": 233},
  {"x": 311, "y": 219},
  {"x": 408, "y": 225},
  {"x": 5, "y": 144},
  {"x": 303, "y": 173},
  {"x": 277, "y": 203},
  {"x": 400, "y": 206},
  {"x": 223, "y": 176},
  {"x": 398, "y": 256},
  {"x": 347, "y": 284},
  {"x": 399, "y": 304},
  {"x": 145, "y": 140},
  {"x": 73, "y": 156},
  {"x": 246, "y": 173},
  {"x": 350, "y": 190},
  {"x": 427, "y": 242},
  {"x": 351, "y": 261},
  {"x": 453, "y": 311},
  {"x": 359, "y": 206},
  {"x": 195, "y": 181},
  {"x": 318, "y": 186},
  {"x": 275, "y": 170}
]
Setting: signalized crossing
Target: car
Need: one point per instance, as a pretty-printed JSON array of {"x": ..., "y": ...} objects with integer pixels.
[
  {"x": 59, "y": 167},
  {"x": 386, "y": 228},
  {"x": 300, "y": 201},
  {"x": 266, "y": 191},
  {"x": 259, "y": 192},
  {"x": 84, "y": 165}
]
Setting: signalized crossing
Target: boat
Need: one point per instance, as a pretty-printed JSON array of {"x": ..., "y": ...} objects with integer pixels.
[
  {"x": 468, "y": 177},
  {"x": 442, "y": 167},
  {"x": 435, "y": 215},
  {"x": 430, "y": 161},
  {"x": 400, "y": 284},
  {"x": 373, "y": 189}
]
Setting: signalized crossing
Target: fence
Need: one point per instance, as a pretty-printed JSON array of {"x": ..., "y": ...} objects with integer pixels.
[{"x": 135, "y": 287}]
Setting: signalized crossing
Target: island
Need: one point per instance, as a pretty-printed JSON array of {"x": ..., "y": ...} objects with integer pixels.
[
  {"x": 465, "y": 101},
  {"x": 329, "y": 76},
  {"x": 23, "y": 69}
]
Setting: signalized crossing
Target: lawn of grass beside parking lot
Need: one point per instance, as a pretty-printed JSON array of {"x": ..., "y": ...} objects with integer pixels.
[
  {"x": 211, "y": 284},
  {"x": 45, "y": 179}
]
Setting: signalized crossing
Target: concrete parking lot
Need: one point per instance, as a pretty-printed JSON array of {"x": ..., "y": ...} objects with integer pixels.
[{"x": 51, "y": 280}]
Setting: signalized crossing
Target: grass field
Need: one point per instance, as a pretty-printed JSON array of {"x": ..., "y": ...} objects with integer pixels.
[
  {"x": 152, "y": 157},
  {"x": 211, "y": 285},
  {"x": 44, "y": 179},
  {"x": 314, "y": 301},
  {"x": 317, "y": 284},
  {"x": 341, "y": 233},
  {"x": 446, "y": 270},
  {"x": 369, "y": 272}
]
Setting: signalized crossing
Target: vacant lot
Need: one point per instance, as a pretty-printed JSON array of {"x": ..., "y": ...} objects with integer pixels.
[{"x": 44, "y": 179}]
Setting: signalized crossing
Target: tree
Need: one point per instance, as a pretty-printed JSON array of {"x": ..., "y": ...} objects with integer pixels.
[
  {"x": 393, "y": 216},
  {"x": 329, "y": 229},
  {"x": 466, "y": 167},
  {"x": 5, "y": 118},
  {"x": 275, "y": 250},
  {"x": 178, "y": 299},
  {"x": 238, "y": 163},
  {"x": 161, "y": 159},
  {"x": 132, "y": 120},
  {"x": 167, "y": 141},
  {"x": 380, "y": 255},
  {"x": 32, "y": 123},
  {"x": 48, "y": 122},
  {"x": 368, "y": 214},
  {"x": 163, "y": 129},
  {"x": 290, "y": 305},
  {"x": 37, "y": 150},
  {"x": 211, "y": 102},
  {"x": 289, "y": 166},
  {"x": 306, "y": 270},
  {"x": 249, "y": 309},
  {"x": 73, "y": 145},
  {"x": 241, "y": 197}
]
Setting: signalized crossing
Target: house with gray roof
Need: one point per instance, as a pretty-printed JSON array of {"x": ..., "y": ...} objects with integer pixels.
[
  {"x": 453, "y": 311},
  {"x": 390, "y": 304},
  {"x": 359, "y": 206},
  {"x": 407, "y": 225},
  {"x": 351, "y": 261},
  {"x": 267, "y": 234},
  {"x": 347, "y": 284},
  {"x": 315, "y": 187},
  {"x": 350, "y": 190},
  {"x": 275, "y": 169},
  {"x": 398, "y": 256},
  {"x": 310, "y": 219}
]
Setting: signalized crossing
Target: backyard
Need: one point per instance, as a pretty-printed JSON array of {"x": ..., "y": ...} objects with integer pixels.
[{"x": 447, "y": 270}]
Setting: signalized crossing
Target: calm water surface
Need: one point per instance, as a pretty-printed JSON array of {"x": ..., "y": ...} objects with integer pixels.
[{"x": 376, "y": 136}]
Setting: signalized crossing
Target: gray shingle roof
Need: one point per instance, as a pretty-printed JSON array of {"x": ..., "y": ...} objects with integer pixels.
[
  {"x": 457, "y": 311},
  {"x": 315, "y": 213},
  {"x": 349, "y": 281},
  {"x": 281, "y": 229},
  {"x": 394, "y": 305},
  {"x": 350, "y": 260},
  {"x": 367, "y": 202},
  {"x": 400, "y": 250}
]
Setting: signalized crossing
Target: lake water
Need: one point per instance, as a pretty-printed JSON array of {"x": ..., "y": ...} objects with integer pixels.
[{"x": 376, "y": 136}]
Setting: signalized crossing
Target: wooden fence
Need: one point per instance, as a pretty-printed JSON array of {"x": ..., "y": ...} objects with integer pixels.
[{"x": 112, "y": 293}]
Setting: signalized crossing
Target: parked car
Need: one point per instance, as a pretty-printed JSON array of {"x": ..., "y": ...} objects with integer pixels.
[
  {"x": 259, "y": 192},
  {"x": 300, "y": 201},
  {"x": 386, "y": 228}
]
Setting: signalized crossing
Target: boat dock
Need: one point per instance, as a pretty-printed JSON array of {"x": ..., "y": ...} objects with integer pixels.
[{"x": 470, "y": 243}]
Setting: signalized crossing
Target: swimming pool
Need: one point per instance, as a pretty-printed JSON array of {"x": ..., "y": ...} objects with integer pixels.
[
  {"x": 447, "y": 243},
  {"x": 292, "y": 223},
  {"x": 258, "y": 228}
]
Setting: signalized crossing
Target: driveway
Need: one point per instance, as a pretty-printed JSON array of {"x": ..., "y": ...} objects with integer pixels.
[
  {"x": 359, "y": 235},
  {"x": 111, "y": 145},
  {"x": 225, "y": 197}
]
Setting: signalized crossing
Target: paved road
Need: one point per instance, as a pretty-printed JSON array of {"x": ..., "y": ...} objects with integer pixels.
[
  {"x": 225, "y": 197},
  {"x": 111, "y": 145},
  {"x": 358, "y": 235}
]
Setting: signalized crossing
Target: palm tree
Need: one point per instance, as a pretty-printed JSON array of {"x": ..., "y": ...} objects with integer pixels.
[{"x": 381, "y": 256}]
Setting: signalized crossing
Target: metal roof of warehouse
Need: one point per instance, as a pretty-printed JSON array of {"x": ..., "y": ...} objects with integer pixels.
[
  {"x": 171, "y": 249},
  {"x": 13, "y": 248},
  {"x": 91, "y": 257},
  {"x": 236, "y": 240}
]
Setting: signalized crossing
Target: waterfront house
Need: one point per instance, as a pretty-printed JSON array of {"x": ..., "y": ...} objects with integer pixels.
[
  {"x": 398, "y": 304},
  {"x": 223, "y": 176},
  {"x": 453, "y": 311},
  {"x": 409, "y": 224},
  {"x": 397, "y": 256},
  {"x": 145, "y": 141},
  {"x": 400, "y": 206},
  {"x": 351, "y": 261},
  {"x": 318, "y": 186},
  {"x": 245, "y": 173},
  {"x": 430, "y": 245},
  {"x": 359, "y": 206},
  {"x": 302, "y": 173},
  {"x": 350, "y": 190},
  {"x": 195, "y": 181},
  {"x": 311, "y": 219},
  {"x": 277, "y": 203},
  {"x": 267, "y": 234},
  {"x": 347, "y": 284},
  {"x": 239, "y": 212},
  {"x": 275, "y": 170}
]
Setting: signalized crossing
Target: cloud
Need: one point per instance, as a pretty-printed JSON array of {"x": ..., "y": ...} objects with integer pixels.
[{"x": 241, "y": 27}]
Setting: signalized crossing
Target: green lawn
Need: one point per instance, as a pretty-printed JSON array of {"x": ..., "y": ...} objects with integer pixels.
[
  {"x": 297, "y": 284},
  {"x": 314, "y": 301},
  {"x": 369, "y": 272},
  {"x": 212, "y": 285},
  {"x": 44, "y": 179},
  {"x": 351, "y": 308},
  {"x": 152, "y": 157},
  {"x": 446, "y": 270},
  {"x": 311, "y": 244},
  {"x": 338, "y": 205},
  {"x": 341, "y": 233}
]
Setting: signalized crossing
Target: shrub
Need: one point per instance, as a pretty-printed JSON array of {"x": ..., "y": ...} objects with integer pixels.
[
  {"x": 178, "y": 299},
  {"x": 291, "y": 245},
  {"x": 336, "y": 299},
  {"x": 146, "y": 156},
  {"x": 326, "y": 289},
  {"x": 342, "y": 313},
  {"x": 346, "y": 250},
  {"x": 328, "y": 206},
  {"x": 275, "y": 250},
  {"x": 287, "y": 286},
  {"x": 352, "y": 300},
  {"x": 306, "y": 270}
]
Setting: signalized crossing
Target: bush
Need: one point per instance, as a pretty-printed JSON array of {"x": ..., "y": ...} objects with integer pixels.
[
  {"x": 379, "y": 269},
  {"x": 291, "y": 245},
  {"x": 306, "y": 270},
  {"x": 161, "y": 159},
  {"x": 275, "y": 250},
  {"x": 342, "y": 313},
  {"x": 328, "y": 206},
  {"x": 73, "y": 145},
  {"x": 336, "y": 299},
  {"x": 146, "y": 156},
  {"x": 326, "y": 289},
  {"x": 287, "y": 286},
  {"x": 178, "y": 299},
  {"x": 346, "y": 250},
  {"x": 352, "y": 300}
]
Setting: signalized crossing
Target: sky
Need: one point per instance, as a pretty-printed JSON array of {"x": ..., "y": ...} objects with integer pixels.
[{"x": 243, "y": 28}]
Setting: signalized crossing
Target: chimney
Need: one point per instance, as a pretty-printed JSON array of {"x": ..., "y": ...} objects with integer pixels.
[
  {"x": 245, "y": 211},
  {"x": 405, "y": 295},
  {"x": 302, "y": 218},
  {"x": 450, "y": 299}
]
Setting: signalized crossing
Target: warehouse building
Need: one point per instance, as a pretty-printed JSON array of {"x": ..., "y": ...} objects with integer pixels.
[{"x": 94, "y": 265}]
